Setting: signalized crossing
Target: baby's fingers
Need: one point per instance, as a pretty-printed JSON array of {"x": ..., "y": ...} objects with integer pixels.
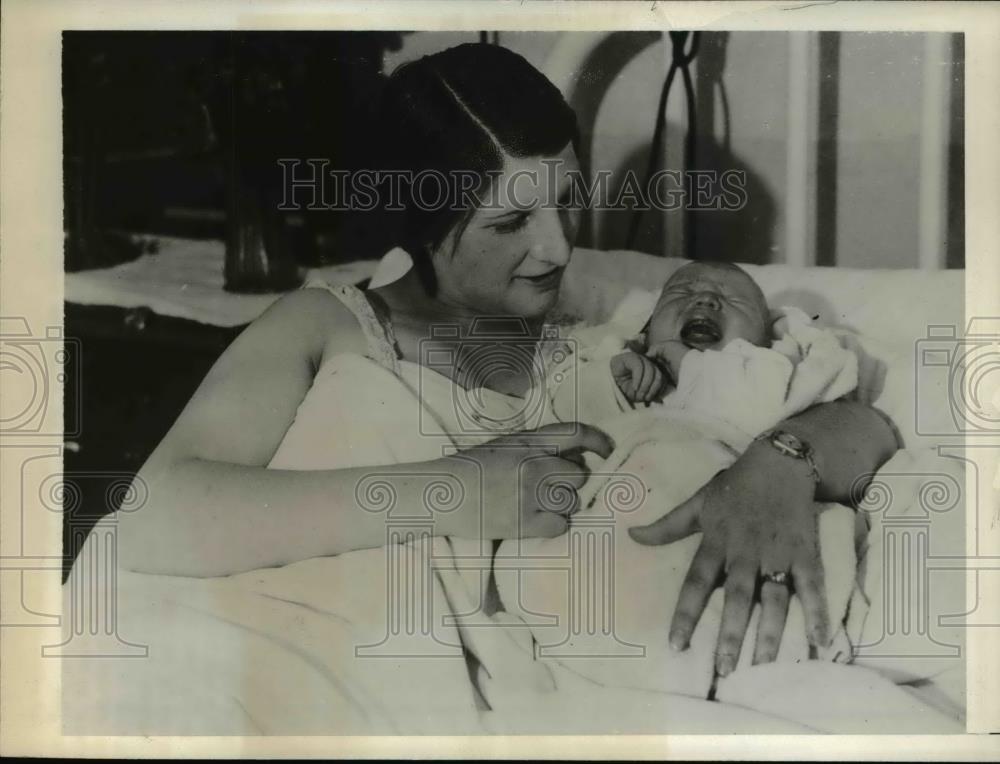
[
  {"x": 655, "y": 385},
  {"x": 646, "y": 378},
  {"x": 643, "y": 380}
]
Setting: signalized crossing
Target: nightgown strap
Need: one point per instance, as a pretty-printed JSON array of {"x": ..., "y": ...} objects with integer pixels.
[{"x": 378, "y": 334}]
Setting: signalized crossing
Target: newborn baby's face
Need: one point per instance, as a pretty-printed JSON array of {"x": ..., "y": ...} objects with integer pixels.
[{"x": 707, "y": 306}]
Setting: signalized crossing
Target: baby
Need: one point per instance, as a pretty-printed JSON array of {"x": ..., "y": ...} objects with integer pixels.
[
  {"x": 709, "y": 338},
  {"x": 702, "y": 307}
]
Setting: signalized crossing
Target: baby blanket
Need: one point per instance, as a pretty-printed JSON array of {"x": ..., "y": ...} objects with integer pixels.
[{"x": 607, "y": 614}]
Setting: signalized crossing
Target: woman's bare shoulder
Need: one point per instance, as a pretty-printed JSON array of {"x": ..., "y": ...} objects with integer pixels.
[{"x": 311, "y": 318}]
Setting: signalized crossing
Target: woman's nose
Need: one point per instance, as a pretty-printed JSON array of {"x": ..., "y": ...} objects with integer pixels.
[{"x": 552, "y": 245}]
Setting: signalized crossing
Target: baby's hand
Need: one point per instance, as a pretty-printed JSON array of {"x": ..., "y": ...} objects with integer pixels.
[
  {"x": 638, "y": 377},
  {"x": 670, "y": 353}
]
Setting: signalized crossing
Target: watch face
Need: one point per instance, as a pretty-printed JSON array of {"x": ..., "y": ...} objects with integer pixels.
[
  {"x": 790, "y": 445},
  {"x": 789, "y": 441}
]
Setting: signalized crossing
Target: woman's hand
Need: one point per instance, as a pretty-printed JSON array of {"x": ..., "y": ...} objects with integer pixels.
[
  {"x": 756, "y": 517},
  {"x": 529, "y": 482}
]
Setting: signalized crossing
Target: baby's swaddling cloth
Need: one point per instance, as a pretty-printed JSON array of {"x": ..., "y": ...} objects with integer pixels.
[{"x": 601, "y": 604}]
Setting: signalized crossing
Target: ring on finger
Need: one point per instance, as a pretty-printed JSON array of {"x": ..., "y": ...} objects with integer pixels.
[{"x": 779, "y": 577}]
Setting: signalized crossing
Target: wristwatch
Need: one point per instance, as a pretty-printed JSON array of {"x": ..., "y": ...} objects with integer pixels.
[{"x": 793, "y": 446}]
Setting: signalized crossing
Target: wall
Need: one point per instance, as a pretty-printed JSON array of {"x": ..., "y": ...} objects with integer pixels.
[{"x": 876, "y": 182}]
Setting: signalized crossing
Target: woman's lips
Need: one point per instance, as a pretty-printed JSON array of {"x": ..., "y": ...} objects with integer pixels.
[{"x": 548, "y": 280}]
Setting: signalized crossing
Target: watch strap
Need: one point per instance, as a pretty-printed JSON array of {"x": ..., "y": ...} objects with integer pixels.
[{"x": 804, "y": 451}]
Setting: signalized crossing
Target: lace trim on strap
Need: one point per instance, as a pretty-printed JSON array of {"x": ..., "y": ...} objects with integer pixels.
[{"x": 379, "y": 335}]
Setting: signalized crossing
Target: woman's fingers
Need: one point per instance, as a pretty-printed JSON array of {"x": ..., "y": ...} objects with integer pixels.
[
  {"x": 807, "y": 574},
  {"x": 774, "y": 611},
  {"x": 565, "y": 469},
  {"x": 556, "y": 489},
  {"x": 546, "y": 525},
  {"x": 741, "y": 583},
  {"x": 673, "y": 526},
  {"x": 699, "y": 583},
  {"x": 586, "y": 438}
]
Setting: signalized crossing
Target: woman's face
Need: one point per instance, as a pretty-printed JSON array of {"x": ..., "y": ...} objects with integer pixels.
[{"x": 510, "y": 257}]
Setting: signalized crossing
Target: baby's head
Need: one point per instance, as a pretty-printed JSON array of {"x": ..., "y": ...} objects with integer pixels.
[{"x": 707, "y": 305}]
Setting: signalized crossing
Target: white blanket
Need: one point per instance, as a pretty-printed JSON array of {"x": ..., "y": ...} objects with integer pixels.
[
  {"x": 607, "y": 609},
  {"x": 395, "y": 640}
]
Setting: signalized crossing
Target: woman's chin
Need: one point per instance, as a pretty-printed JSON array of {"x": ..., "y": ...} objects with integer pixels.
[{"x": 534, "y": 304}]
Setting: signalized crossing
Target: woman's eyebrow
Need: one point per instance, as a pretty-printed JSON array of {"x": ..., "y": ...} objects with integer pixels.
[
  {"x": 493, "y": 217},
  {"x": 499, "y": 217}
]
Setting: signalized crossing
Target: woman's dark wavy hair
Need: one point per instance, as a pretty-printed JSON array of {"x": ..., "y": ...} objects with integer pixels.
[{"x": 463, "y": 109}]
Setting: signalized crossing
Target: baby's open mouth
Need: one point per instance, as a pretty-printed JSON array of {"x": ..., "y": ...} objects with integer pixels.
[{"x": 700, "y": 332}]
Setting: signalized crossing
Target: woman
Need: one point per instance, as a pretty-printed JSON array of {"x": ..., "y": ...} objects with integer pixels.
[{"x": 215, "y": 508}]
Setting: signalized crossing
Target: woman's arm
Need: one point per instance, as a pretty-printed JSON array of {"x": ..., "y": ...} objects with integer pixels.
[
  {"x": 849, "y": 440},
  {"x": 212, "y": 508},
  {"x": 215, "y": 509},
  {"x": 760, "y": 516},
  {"x": 214, "y": 518}
]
